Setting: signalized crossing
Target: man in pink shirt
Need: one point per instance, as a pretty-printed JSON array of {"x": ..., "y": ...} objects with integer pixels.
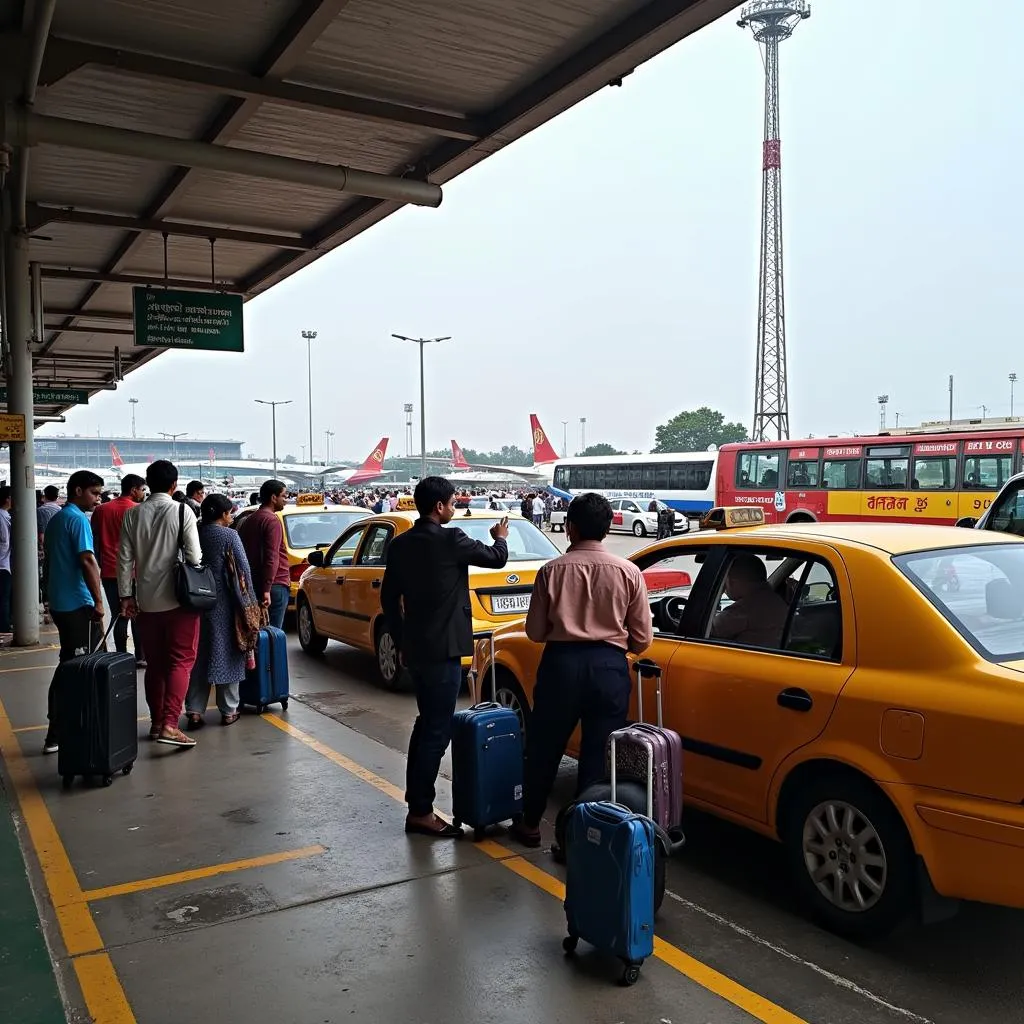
[{"x": 589, "y": 607}]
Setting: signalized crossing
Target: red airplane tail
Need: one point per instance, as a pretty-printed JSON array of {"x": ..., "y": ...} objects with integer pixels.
[
  {"x": 115, "y": 455},
  {"x": 458, "y": 459},
  {"x": 543, "y": 452},
  {"x": 373, "y": 466}
]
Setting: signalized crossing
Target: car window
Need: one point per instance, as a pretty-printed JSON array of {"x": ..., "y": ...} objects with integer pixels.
[
  {"x": 979, "y": 590},
  {"x": 525, "y": 542},
  {"x": 1007, "y": 515},
  {"x": 308, "y": 529},
  {"x": 344, "y": 550},
  {"x": 778, "y": 601},
  {"x": 375, "y": 547},
  {"x": 669, "y": 581}
]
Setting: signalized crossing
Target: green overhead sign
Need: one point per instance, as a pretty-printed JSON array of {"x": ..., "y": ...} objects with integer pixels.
[
  {"x": 167, "y": 318},
  {"x": 54, "y": 396}
]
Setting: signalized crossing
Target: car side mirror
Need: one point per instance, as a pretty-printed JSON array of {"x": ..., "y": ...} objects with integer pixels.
[
  {"x": 967, "y": 522},
  {"x": 316, "y": 558},
  {"x": 1002, "y": 601}
]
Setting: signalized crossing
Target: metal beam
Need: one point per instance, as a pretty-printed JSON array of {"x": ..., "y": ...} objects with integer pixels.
[
  {"x": 23, "y": 129},
  {"x": 84, "y": 329},
  {"x": 309, "y": 19},
  {"x": 605, "y": 61},
  {"x": 66, "y": 55},
  {"x": 39, "y": 215},
  {"x": 86, "y": 314},
  {"x": 101, "y": 277}
]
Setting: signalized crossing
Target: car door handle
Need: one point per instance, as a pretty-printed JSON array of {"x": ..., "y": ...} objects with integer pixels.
[
  {"x": 795, "y": 699},
  {"x": 338, "y": 580},
  {"x": 376, "y": 584}
]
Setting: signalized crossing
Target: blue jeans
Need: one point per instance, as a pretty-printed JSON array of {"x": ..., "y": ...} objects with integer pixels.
[
  {"x": 577, "y": 683},
  {"x": 280, "y": 595},
  {"x": 437, "y": 689}
]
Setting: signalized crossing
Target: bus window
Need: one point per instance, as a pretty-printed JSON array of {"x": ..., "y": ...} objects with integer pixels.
[
  {"x": 633, "y": 477},
  {"x": 887, "y": 467},
  {"x": 588, "y": 475},
  {"x": 758, "y": 469},
  {"x": 648, "y": 477},
  {"x": 802, "y": 474},
  {"x": 841, "y": 474},
  {"x": 661, "y": 476},
  {"x": 934, "y": 474},
  {"x": 561, "y": 479},
  {"x": 987, "y": 473}
]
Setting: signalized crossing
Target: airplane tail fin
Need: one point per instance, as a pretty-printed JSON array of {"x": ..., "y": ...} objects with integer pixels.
[
  {"x": 373, "y": 465},
  {"x": 543, "y": 452},
  {"x": 115, "y": 456},
  {"x": 458, "y": 459}
]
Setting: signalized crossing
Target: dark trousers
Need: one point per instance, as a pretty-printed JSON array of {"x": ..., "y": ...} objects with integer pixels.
[
  {"x": 437, "y": 689},
  {"x": 280, "y": 595},
  {"x": 79, "y": 633},
  {"x": 577, "y": 683},
  {"x": 5, "y": 601},
  {"x": 121, "y": 623}
]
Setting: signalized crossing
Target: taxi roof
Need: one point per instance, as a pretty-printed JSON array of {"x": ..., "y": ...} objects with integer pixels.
[
  {"x": 291, "y": 510},
  {"x": 891, "y": 538},
  {"x": 476, "y": 513}
]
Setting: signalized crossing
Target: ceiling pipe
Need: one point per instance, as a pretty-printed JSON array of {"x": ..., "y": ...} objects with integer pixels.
[
  {"x": 37, "y": 47},
  {"x": 23, "y": 128}
]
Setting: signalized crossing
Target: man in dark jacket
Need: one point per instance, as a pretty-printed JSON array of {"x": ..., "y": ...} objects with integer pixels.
[{"x": 425, "y": 600}]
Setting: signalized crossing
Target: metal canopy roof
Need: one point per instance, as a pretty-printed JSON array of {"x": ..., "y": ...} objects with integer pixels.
[{"x": 404, "y": 89}]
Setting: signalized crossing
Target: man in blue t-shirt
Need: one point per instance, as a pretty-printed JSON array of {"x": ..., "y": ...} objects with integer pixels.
[{"x": 73, "y": 587}]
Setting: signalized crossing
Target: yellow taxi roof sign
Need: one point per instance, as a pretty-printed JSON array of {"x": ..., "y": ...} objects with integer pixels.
[
  {"x": 311, "y": 498},
  {"x": 406, "y": 504},
  {"x": 732, "y": 518}
]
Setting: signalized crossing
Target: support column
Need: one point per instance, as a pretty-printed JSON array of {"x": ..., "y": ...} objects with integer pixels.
[{"x": 24, "y": 536}]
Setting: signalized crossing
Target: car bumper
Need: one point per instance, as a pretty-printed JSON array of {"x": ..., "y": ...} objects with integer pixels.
[{"x": 973, "y": 848}]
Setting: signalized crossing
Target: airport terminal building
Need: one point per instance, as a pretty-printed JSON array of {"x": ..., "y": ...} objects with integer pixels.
[{"x": 72, "y": 451}]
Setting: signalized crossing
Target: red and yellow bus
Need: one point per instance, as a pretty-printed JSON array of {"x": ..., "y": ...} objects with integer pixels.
[{"x": 921, "y": 477}]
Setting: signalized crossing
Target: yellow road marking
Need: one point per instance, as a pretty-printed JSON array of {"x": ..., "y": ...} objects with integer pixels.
[
  {"x": 7, "y": 652},
  {"x": 104, "y": 997},
  {"x": 143, "y": 884},
  {"x": 28, "y": 668},
  {"x": 757, "y": 1006},
  {"x": 40, "y": 728}
]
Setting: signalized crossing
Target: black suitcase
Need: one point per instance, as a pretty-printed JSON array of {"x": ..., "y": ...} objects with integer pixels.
[{"x": 96, "y": 704}]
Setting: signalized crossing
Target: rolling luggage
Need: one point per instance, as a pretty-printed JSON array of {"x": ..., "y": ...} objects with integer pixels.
[
  {"x": 609, "y": 884},
  {"x": 267, "y": 683},
  {"x": 640, "y": 744},
  {"x": 95, "y": 701},
  {"x": 487, "y": 762}
]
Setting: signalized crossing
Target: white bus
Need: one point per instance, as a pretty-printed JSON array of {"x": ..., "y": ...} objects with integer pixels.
[{"x": 685, "y": 481}]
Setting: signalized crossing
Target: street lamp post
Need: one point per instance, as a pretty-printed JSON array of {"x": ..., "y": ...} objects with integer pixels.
[
  {"x": 1013, "y": 380},
  {"x": 174, "y": 442},
  {"x": 309, "y": 336},
  {"x": 583, "y": 434},
  {"x": 273, "y": 423},
  {"x": 328, "y": 434},
  {"x": 565, "y": 439},
  {"x": 134, "y": 402},
  {"x": 423, "y": 412},
  {"x": 883, "y": 401}
]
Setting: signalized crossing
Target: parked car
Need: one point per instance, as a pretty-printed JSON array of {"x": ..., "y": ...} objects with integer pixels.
[{"x": 631, "y": 515}]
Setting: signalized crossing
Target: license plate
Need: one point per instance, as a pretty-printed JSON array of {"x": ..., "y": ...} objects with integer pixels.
[{"x": 508, "y": 603}]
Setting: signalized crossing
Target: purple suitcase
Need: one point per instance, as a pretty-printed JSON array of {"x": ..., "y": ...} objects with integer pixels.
[{"x": 653, "y": 754}]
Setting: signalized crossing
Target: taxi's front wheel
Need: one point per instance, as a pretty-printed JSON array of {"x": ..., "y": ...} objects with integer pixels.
[
  {"x": 392, "y": 675},
  {"x": 310, "y": 640},
  {"x": 851, "y": 856}
]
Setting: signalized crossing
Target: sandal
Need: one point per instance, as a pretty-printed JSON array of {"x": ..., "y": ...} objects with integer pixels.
[
  {"x": 194, "y": 722},
  {"x": 446, "y": 831},
  {"x": 230, "y": 719},
  {"x": 175, "y": 738}
]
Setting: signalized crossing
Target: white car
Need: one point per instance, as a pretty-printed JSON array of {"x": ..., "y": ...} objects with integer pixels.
[{"x": 631, "y": 516}]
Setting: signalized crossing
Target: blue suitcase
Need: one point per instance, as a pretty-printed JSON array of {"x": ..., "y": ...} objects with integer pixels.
[
  {"x": 609, "y": 883},
  {"x": 487, "y": 767},
  {"x": 267, "y": 683}
]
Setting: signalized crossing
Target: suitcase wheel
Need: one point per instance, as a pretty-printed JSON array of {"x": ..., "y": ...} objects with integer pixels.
[
  {"x": 479, "y": 833},
  {"x": 67, "y": 781},
  {"x": 631, "y": 974},
  {"x": 284, "y": 704},
  {"x": 260, "y": 708},
  {"x": 127, "y": 769},
  {"x": 570, "y": 942},
  {"x": 108, "y": 780}
]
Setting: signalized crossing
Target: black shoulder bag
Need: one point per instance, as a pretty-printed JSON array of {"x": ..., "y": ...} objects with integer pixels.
[{"x": 195, "y": 586}]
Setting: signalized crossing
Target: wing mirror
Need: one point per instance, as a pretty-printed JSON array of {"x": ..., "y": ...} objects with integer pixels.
[
  {"x": 316, "y": 558},
  {"x": 967, "y": 522}
]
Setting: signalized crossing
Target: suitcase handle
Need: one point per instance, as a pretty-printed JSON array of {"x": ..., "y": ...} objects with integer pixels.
[
  {"x": 647, "y": 668},
  {"x": 598, "y": 810},
  {"x": 650, "y": 773},
  {"x": 110, "y": 629}
]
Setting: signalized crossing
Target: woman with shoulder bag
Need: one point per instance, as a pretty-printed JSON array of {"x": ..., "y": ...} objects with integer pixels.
[{"x": 227, "y": 631}]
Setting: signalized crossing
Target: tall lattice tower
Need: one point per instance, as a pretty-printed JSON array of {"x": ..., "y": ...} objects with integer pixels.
[{"x": 771, "y": 21}]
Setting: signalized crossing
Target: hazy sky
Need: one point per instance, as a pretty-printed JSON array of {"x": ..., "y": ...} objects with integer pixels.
[{"x": 606, "y": 265}]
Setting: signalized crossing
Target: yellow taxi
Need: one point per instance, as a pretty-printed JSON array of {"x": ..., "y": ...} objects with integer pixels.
[
  {"x": 853, "y": 690},
  {"x": 310, "y": 524},
  {"x": 339, "y": 595}
]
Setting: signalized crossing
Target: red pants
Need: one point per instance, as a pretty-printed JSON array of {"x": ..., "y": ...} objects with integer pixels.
[{"x": 170, "y": 640}]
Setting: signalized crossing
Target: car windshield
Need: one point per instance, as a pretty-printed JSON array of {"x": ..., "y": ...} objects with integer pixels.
[
  {"x": 980, "y": 590},
  {"x": 308, "y": 529},
  {"x": 525, "y": 542}
]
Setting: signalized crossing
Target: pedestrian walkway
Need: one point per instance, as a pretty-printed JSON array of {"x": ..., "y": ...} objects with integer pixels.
[{"x": 265, "y": 876}]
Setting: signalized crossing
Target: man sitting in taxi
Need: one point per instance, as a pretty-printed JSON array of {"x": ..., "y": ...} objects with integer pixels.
[{"x": 757, "y": 615}]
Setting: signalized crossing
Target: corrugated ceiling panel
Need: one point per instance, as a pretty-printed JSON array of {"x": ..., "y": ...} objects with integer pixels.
[
  {"x": 226, "y": 32},
  {"x": 73, "y": 245},
  {"x": 452, "y": 54},
  {"x": 99, "y": 96},
  {"x": 63, "y": 294},
  {"x": 94, "y": 181},
  {"x": 332, "y": 139},
  {"x": 254, "y": 202}
]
